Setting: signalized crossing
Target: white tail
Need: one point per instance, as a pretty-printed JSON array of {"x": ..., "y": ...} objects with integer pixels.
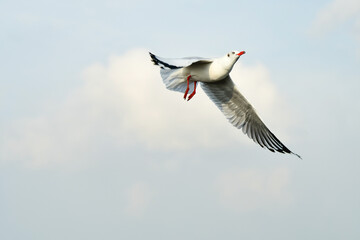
[
  {"x": 172, "y": 75},
  {"x": 174, "y": 80}
]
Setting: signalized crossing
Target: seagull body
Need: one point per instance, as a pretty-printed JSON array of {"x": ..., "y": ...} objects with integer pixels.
[{"x": 182, "y": 75}]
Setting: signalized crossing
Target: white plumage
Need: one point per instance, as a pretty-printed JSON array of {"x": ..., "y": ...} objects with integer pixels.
[{"x": 183, "y": 74}]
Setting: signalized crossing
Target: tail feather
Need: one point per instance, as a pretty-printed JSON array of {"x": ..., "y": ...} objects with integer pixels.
[
  {"x": 172, "y": 76},
  {"x": 174, "y": 80}
]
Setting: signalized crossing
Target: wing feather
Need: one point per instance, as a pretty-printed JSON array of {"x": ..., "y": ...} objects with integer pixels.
[
  {"x": 242, "y": 115},
  {"x": 175, "y": 63}
]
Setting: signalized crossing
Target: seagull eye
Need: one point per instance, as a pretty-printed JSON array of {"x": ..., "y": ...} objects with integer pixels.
[
  {"x": 233, "y": 52},
  {"x": 228, "y": 55}
]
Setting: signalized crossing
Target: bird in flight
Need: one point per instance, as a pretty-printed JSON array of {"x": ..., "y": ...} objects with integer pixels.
[{"x": 183, "y": 74}]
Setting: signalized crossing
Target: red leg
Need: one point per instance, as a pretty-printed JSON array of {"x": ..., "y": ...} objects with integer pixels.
[
  {"x": 187, "y": 88},
  {"x": 193, "y": 93}
]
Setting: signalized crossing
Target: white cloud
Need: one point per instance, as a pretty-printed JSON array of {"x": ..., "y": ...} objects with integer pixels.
[
  {"x": 334, "y": 14},
  {"x": 138, "y": 199},
  {"x": 125, "y": 101},
  {"x": 250, "y": 189}
]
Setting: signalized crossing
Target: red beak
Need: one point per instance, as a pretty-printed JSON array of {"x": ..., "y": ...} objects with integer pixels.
[{"x": 241, "y": 53}]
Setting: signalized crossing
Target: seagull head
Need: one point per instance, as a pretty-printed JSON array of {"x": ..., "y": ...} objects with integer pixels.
[
  {"x": 232, "y": 57},
  {"x": 235, "y": 54}
]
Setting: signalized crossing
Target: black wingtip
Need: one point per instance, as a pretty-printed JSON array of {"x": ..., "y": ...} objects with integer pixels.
[
  {"x": 297, "y": 155},
  {"x": 153, "y": 58},
  {"x": 160, "y": 63},
  {"x": 279, "y": 146}
]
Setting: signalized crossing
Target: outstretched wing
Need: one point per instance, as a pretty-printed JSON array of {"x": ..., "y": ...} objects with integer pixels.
[
  {"x": 174, "y": 63},
  {"x": 241, "y": 114}
]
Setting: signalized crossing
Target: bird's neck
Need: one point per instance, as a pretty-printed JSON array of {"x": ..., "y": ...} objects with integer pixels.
[
  {"x": 226, "y": 64},
  {"x": 219, "y": 69}
]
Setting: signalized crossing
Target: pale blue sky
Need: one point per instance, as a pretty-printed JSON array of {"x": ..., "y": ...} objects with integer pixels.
[{"x": 93, "y": 146}]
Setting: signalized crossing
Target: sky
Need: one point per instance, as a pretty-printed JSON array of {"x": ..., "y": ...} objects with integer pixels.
[{"x": 93, "y": 146}]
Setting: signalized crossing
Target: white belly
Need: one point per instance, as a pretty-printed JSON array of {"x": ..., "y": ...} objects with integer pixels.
[{"x": 205, "y": 72}]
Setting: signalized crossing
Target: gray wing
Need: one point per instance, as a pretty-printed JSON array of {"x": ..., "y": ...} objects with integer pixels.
[
  {"x": 241, "y": 114},
  {"x": 174, "y": 63}
]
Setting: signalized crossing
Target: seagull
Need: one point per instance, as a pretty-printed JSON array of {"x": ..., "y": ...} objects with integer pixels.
[{"x": 183, "y": 74}]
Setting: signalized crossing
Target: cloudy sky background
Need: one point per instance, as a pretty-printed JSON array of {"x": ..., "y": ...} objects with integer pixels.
[{"x": 93, "y": 146}]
